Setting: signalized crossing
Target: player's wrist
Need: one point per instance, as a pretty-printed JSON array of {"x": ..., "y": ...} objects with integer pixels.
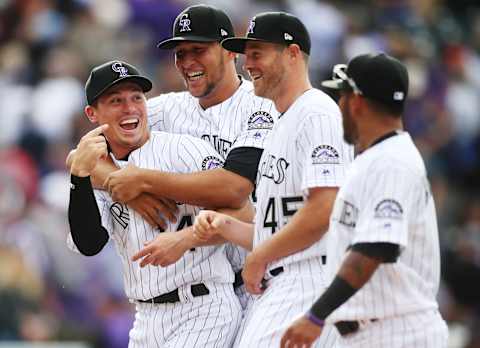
[
  {"x": 187, "y": 238},
  {"x": 263, "y": 253},
  {"x": 146, "y": 179},
  {"x": 79, "y": 170},
  {"x": 314, "y": 319}
]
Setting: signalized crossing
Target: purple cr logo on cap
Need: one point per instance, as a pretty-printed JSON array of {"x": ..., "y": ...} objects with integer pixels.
[
  {"x": 185, "y": 23},
  {"x": 121, "y": 70}
]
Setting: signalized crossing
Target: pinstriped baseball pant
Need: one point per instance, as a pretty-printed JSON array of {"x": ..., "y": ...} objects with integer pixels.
[
  {"x": 205, "y": 321},
  {"x": 424, "y": 329},
  {"x": 287, "y": 296}
]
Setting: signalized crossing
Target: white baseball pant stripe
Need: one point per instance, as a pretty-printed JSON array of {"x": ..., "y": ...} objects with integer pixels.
[{"x": 205, "y": 321}]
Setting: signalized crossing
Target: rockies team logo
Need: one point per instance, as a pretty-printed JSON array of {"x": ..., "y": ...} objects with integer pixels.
[
  {"x": 388, "y": 209},
  {"x": 120, "y": 69},
  {"x": 260, "y": 120},
  {"x": 325, "y": 154},
  {"x": 185, "y": 23},
  {"x": 211, "y": 162},
  {"x": 251, "y": 26},
  {"x": 120, "y": 214}
]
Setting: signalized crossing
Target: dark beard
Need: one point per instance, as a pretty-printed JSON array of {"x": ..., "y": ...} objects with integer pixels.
[
  {"x": 212, "y": 85},
  {"x": 349, "y": 129}
]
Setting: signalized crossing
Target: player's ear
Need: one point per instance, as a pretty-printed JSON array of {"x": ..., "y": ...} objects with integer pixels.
[
  {"x": 350, "y": 101},
  {"x": 90, "y": 113},
  {"x": 230, "y": 55},
  {"x": 294, "y": 51},
  {"x": 359, "y": 104}
]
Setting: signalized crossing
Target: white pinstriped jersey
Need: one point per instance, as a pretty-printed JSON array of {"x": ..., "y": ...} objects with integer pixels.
[
  {"x": 305, "y": 150},
  {"x": 172, "y": 153},
  {"x": 386, "y": 198},
  {"x": 243, "y": 120}
]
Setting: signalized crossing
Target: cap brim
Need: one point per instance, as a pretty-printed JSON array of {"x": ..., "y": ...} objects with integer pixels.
[
  {"x": 335, "y": 84},
  {"x": 143, "y": 82},
  {"x": 174, "y": 41},
  {"x": 237, "y": 44}
]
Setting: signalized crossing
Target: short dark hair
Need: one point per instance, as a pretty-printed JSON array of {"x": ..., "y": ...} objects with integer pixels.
[{"x": 389, "y": 109}]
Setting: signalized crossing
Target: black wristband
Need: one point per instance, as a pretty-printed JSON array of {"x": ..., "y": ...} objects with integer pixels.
[{"x": 337, "y": 294}]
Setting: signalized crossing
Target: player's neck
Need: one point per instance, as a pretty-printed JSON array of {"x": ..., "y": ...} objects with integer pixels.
[
  {"x": 224, "y": 90},
  {"x": 291, "y": 92},
  {"x": 372, "y": 132},
  {"x": 121, "y": 152}
]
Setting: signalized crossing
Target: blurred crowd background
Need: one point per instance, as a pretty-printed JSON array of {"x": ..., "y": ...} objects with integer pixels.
[{"x": 47, "y": 48}]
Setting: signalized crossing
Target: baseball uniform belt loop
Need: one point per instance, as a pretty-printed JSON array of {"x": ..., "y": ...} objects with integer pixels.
[
  {"x": 276, "y": 271},
  {"x": 349, "y": 327},
  {"x": 238, "y": 279},
  {"x": 324, "y": 259},
  {"x": 172, "y": 296}
]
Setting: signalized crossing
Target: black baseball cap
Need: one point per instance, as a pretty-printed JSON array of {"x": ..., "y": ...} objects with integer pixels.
[
  {"x": 200, "y": 23},
  {"x": 379, "y": 77},
  {"x": 275, "y": 27},
  {"x": 110, "y": 73}
]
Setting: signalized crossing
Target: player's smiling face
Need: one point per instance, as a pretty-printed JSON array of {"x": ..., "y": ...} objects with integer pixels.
[
  {"x": 124, "y": 108},
  {"x": 265, "y": 64},
  {"x": 202, "y": 66}
]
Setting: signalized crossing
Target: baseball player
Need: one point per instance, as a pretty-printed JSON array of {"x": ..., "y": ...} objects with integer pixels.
[
  {"x": 383, "y": 244},
  {"x": 190, "y": 303},
  {"x": 301, "y": 168},
  {"x": 219, "y": 107}
]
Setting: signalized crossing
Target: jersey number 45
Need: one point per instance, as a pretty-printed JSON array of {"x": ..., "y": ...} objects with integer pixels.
[{"x": 289, "y": 206}]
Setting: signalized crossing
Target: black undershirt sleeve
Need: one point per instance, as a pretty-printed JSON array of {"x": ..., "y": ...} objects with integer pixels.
[
  {"x": 244, "y": 161},
  {"x": 340, "y": 290},
  {"x": 84, "y": 218},
  {"x": 385, "y": 252}
]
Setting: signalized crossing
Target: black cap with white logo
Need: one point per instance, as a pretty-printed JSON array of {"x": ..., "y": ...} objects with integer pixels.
[
  {"x": 200, "y": 23},
  {"x": 379, "y": 77},
  {"x": 108, "y": 74},
  {"x": 275, "y": 27}
]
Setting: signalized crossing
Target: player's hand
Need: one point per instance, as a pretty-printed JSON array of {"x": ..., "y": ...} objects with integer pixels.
[
  {"x": 208, "y": 224},
  {"x": 69, "y": 159},
  {"x": 253, "y": 273},
  {"x": 90, "y": 149},
  {"x": 123, "y": 184},
  {"x": 156, "y": 211},
  {"x": 302, "y": 333},
  {"x": 166, "y": 249}
]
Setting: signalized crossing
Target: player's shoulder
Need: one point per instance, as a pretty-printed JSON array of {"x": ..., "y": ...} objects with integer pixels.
[
  {"x": 396, "y": 154},
  {"x": 247, "y": 95},
  {"x": 162, "y": 100},
  {"x": 176, "y": 139},
  {"x": 193, "y": 148},
  {"x": 167, "y": 137},
  {"x": 317, "y": 103}
]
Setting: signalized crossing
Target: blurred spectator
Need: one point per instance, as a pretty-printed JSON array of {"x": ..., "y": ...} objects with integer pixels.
[{"x": 48, "y": 46}]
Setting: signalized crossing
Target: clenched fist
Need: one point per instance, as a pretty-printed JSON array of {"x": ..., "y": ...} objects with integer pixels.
[{"x": 90, "y": 149}]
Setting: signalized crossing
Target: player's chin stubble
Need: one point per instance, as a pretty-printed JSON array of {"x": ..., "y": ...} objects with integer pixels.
[
  {"x": 349, "y": 128},
  {"x": 271, "y": 81}
]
